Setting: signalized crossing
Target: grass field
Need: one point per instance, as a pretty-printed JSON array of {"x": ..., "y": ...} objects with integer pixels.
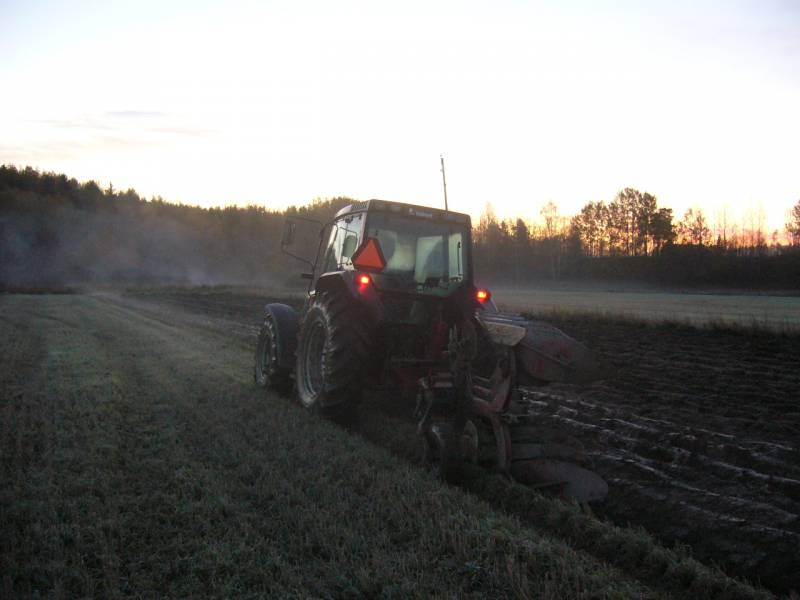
[
  {"x": 769, "y": 312},
  {"x": 138, "y": 460}
]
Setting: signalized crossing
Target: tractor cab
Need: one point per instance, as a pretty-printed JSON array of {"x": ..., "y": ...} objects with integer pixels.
[
  {"x": 397, "y": 258},
  {"x": 404, "y": 248}
]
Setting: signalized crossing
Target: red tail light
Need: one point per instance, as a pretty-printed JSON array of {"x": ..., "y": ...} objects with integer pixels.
[
  {"x": 483, "y": 295},
  {"x": 364, "y": 279}
]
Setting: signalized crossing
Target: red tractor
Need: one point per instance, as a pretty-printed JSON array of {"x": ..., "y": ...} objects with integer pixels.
[{"x": 392, "y": 304}]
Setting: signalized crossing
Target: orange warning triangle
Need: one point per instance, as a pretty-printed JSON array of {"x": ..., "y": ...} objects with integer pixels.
[{"x": 369, "y": 257}]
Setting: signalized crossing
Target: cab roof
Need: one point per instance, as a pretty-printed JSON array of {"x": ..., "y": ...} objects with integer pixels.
[{"x": 408, "y": 210}]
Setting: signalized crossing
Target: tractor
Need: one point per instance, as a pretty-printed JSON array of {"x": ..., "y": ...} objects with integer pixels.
[{"x": 392, "y": 305}]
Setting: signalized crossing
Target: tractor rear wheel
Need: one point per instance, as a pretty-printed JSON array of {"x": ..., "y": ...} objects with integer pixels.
[
  {"x": 332, "y": 350},
  {"x": 267, "y": 372}
]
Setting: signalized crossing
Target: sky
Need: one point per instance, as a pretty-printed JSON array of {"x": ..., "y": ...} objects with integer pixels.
[{"x": 278, "y": 103}]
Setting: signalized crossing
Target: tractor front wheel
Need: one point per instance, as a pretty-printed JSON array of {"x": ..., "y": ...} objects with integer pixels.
[
  {"x": 267, "y": 372},
  {"x": 332, "y": 351}
]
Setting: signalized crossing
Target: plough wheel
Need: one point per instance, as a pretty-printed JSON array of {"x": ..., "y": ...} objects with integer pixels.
[
  {"x": 530, "y": 454},
  {"x": 446, "y": 449}
]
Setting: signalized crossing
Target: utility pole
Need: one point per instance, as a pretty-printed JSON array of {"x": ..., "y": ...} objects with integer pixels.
[{"x": 444, "y": 182}]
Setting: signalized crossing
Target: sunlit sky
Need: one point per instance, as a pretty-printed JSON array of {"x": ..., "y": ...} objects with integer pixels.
[{"x": 277, "y": 103}]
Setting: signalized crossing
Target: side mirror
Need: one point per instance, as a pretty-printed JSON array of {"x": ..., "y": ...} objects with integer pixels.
[
  {"x": 288, "y": 233},
  {"x": 289, "y": 230}
]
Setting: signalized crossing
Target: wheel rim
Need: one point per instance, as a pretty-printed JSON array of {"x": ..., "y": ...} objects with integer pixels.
[{"x": 315, "y": 348}]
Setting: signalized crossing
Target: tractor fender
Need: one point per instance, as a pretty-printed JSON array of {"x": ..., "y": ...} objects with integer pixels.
[
  {"x": 285, "y": 319},
  {"x": 337, "y": 281}
]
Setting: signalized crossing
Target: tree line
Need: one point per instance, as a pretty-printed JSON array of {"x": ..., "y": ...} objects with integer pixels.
[
  {"x": 632, "y": 238},
  {"x": 55, "y": 230}
]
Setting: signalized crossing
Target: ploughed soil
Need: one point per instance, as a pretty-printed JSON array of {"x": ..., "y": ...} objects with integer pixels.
[
  {"x": 698, "y": 434},
  {"x": 696, "y": 431}
]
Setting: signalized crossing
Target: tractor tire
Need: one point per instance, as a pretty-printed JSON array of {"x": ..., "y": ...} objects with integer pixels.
[
  {"x": 267, "y": 373},
  {"x": 332, "y": 352}
]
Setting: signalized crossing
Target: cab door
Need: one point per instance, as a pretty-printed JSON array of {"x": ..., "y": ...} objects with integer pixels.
[{"x": 343, "y": 240}]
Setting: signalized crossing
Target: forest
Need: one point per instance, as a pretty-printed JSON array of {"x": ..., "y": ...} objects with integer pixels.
[{"x": 56, "y": 231}]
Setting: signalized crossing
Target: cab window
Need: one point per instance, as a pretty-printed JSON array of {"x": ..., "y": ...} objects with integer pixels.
[
  {"x": 428, "y": 256},
  {"x": 344, "y": 240}
]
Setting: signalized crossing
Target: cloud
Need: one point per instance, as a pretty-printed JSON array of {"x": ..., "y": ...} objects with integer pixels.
[
  {"x": 190, "y": 131},
  {"x": 37, "y": 151},
  {"x": 129, "y": 124},
  {"x": 135, "y": 114},
  {"x": 109, "y": 120},
  {"x": 76, "y": 123}
]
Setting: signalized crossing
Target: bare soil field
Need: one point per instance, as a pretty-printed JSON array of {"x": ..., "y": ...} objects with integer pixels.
[
  {"x": 698, "y": 434},
  {"x": 697, "y": 431}
]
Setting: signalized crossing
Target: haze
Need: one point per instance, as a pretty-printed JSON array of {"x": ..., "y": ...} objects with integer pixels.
[{"x": 279, "y": 103}]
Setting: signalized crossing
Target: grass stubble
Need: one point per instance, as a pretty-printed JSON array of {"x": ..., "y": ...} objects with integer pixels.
[
  {"x": 745, "y": 313},
  {"x": 138, "y": 460}
]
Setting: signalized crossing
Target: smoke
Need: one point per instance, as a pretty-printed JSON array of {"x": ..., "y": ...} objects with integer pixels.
[{"x": 50, "y": 243}]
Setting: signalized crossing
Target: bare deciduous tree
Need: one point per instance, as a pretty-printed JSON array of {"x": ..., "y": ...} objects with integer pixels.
[
  {"x": 693, "y": 228},
  {"x": 793, "y": 225}
]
